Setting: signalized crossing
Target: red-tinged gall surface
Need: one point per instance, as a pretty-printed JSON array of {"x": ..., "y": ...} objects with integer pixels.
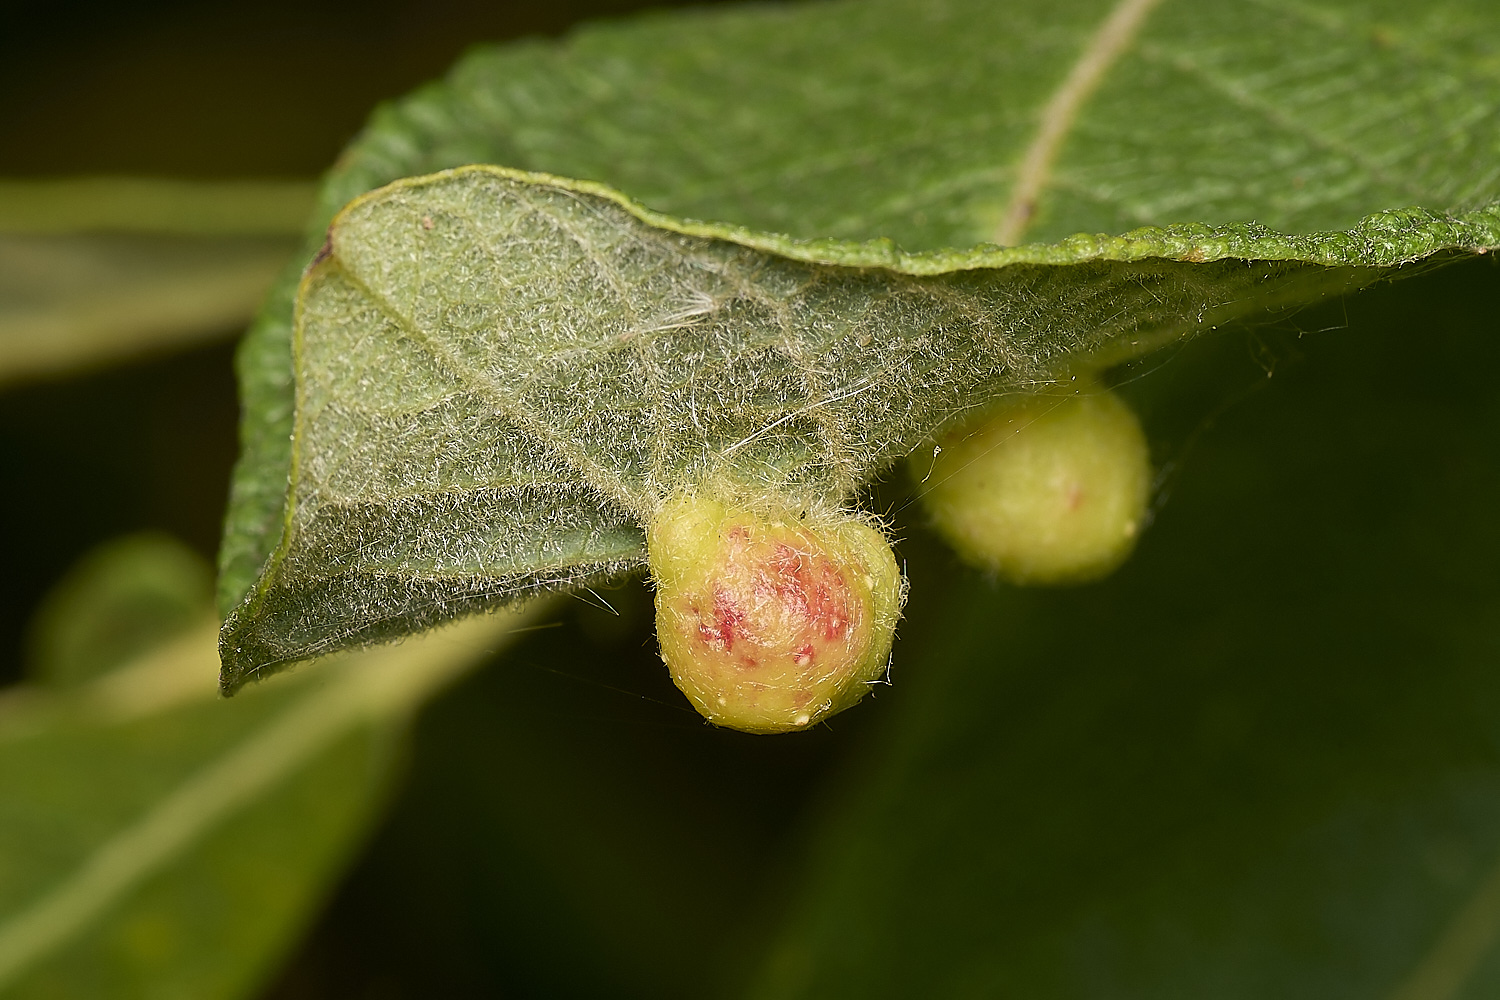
[{"x": 769, "y": 624}]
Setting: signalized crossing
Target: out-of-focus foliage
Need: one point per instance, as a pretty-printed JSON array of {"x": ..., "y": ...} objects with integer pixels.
[
  {"x": 96, "y": 270},
  {"x": 124, "y": 598},
  {"x": 158, "y": 841}
]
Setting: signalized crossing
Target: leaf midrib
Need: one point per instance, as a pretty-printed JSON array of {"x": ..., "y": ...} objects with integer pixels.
[{"x": 1109, "y": 41}]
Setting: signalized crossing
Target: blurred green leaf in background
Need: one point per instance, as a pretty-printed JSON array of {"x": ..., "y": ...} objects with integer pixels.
[{"x": 1263, "y": 759}]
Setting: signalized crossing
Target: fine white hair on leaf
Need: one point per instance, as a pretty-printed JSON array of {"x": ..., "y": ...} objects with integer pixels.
[{"x": 500, "y": 377}]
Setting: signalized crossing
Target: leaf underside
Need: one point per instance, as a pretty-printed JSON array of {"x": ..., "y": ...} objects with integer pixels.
[
  {"x": 501, "y": 375},
  {"x": 492, "y": 405}
]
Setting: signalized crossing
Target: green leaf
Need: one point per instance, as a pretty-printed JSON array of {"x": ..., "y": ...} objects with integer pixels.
[
  {"x": 159, "y": 841},
  {"x": 930, "y": 124},
  {"x": 914, "y": 119},
  {"x": 500, "y": 376}
]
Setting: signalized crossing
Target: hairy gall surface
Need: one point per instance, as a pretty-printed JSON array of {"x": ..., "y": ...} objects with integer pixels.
[{"x": 771, "y": 623}]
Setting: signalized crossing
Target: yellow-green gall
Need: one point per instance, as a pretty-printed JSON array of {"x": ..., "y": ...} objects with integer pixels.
[
  {"x": 1045, "y": 488},
  {"x": 770, "y": 623}
]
